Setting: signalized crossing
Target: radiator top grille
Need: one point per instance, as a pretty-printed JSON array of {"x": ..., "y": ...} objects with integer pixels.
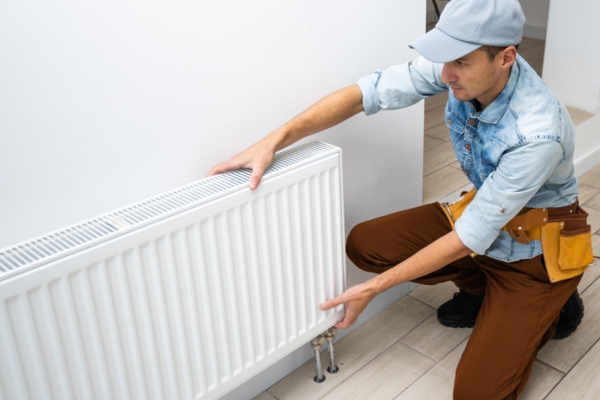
[{"x": 41, "y": 250}]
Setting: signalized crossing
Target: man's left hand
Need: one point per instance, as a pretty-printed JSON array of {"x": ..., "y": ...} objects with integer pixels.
[{"x": 356, "y": 300}]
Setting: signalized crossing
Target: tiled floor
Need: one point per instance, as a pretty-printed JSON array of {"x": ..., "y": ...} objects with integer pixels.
[{"x": 404, "y": 353}]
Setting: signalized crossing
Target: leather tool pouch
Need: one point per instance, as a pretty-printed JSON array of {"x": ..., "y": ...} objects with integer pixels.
[
  {"x": 454, "y": 210},
  {"x": 567, "y": 245},
  {"x": 566, "y": 238}
]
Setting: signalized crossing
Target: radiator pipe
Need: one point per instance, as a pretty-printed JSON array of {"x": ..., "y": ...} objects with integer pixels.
[
  {"x": 316, "y": 346},
  {"x": 329, "y": 336}
]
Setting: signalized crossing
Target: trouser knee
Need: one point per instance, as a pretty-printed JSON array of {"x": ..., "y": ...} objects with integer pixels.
[{"x": 360, "y": 250}]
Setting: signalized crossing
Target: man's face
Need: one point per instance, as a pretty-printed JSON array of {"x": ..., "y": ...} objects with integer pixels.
[{"x": 474, "y": 76}]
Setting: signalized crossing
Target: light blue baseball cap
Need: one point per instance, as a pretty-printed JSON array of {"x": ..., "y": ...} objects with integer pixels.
[{"x": 466, "y": 25}]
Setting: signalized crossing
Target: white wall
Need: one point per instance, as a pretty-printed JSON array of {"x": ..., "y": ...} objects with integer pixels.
[
  {"x": 571, "y": 65},
  {"x": 571, "y": 61},
  {"x": 104, "y": 104}
]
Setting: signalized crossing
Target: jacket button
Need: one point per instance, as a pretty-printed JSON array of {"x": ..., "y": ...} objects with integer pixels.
[
  {"x": 449, "y": 121},
  {"x": 468, "y": 147},
  {"x": 472, "y": 122}
]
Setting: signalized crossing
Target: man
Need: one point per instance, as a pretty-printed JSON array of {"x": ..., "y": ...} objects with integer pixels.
[{"x": 515, "y": 141}]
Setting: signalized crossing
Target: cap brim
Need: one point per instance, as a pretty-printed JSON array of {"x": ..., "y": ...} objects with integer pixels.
[{"x": 436, "y": 46}]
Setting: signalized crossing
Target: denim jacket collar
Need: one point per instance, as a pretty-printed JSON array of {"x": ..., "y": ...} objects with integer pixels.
[{"x": 492, "y": 113}]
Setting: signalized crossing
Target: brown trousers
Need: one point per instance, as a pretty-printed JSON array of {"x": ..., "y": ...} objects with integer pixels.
[{"x": 520, "y": 308}]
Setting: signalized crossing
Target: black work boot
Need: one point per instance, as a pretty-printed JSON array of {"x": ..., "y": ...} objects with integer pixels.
[
  {"x": 461, "y": 311},
  {"x": 570, "y": 316}
]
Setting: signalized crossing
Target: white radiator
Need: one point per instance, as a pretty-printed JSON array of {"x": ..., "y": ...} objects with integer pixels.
[{"x": 182, "y": 296}]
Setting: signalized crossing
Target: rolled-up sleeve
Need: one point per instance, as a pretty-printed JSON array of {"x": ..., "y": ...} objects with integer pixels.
[
  {"x": 519, "y": 175},
  {"x": 401, "y": 86}
]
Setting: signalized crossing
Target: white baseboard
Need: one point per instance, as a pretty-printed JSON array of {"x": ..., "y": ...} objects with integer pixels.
[
  {"x": 587, "y": 148},
  {"x": 588, "y": 163},
  {"x": 535, "y": 32}
]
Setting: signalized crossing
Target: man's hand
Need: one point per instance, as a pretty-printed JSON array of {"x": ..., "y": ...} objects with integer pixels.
[
  {"x": 257, "y": 157},
  {"x": 427, "y": 260},
  {"x": 356, "y": 300},
  {"x": 327, "y": 112}
]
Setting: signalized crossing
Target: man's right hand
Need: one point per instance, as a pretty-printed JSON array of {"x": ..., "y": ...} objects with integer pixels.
[
  {"x": 327, "y": 112},
  {"x": 257, "y": 157}
]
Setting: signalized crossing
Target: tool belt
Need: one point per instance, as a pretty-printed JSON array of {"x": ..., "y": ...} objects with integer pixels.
[{"x": 564, "y": 232}]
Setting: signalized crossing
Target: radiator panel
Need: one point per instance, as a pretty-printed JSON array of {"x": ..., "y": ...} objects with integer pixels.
[{"x": 186, "y": 307}]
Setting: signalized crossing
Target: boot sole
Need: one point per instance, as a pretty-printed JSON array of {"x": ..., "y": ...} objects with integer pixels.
[{"x": 457, "y": 324}]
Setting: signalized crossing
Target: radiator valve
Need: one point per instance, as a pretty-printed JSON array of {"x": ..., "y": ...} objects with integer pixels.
[
  {"x": 330, "y": 336},
  {"x": 316, "y": 346}
]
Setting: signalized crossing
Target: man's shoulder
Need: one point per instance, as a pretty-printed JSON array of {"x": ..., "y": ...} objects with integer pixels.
[
  {"x": 531, "y": 90},
  {"x": 537, "y": 109}
]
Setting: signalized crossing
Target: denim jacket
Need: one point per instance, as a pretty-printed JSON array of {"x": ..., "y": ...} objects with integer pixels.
[{"x": 517, "y": 152}]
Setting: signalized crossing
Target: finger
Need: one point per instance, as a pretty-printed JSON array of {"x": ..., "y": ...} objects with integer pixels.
[
  {"x": 347, "y": 322},
  {"x": 257, "y": 173},
  {"x": 255, "y": 179},
  {"x": 219, "y": 168},
  {"x": 341, "y": 325},
  {"x": 329, "y": 304}
]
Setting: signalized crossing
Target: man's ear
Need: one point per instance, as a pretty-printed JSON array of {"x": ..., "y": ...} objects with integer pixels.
[{"x": 509, "y": 56}]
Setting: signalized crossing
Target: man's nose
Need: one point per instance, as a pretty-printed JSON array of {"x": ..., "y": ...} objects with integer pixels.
[{"x": 447, "y": 74}]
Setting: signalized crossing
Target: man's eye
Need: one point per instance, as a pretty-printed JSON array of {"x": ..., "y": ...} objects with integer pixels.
[{"x": 459, "y": 63}]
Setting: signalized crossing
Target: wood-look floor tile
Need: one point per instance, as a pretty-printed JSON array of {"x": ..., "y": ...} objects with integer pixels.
[
  {"x": 434, "y": 116},
  {"x": 435, "y": 295},
  {"x": 593, "y": 202},
  {"x": 456, "y": 165},
  {"x": 384, "y": 377},
  {"x": 355, "y": 350},
  {"x": 265, "y": 396},
  {"x": 586, "y": 192},
  {"x": 582, "y": 382},
  {"x": 578, "y": 116},
  {"x": 563, "y": 354},
  {"x": 454, "y": 195},
  {"x": 591, "y": 178},
  {"x": 439, "y": 99},
  {"x": 433, "y": 339},
  {"x": 438, "y": 157},
  {"x": 439, "y": 131},
  {"x": 594, "y": 219},
  {"x": 542, "y": 380},
  {"x": 430, "y": 142},
  {"x": 438, "y": 382},
  {"x": 442, "y": 182}
]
